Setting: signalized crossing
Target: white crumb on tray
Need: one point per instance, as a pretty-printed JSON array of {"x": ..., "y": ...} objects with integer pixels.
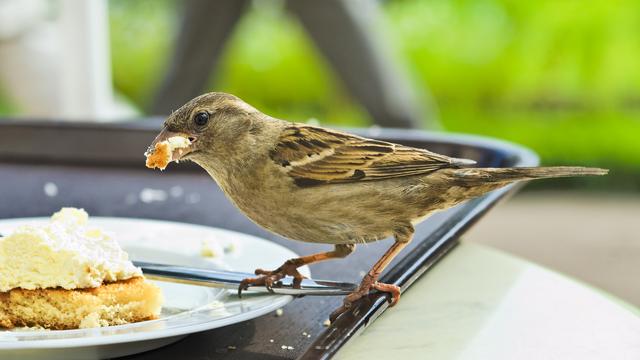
[
  {"x": 279, "y": 312},
  {"x": 176, "y": 191},
  {"x": 148, "y": 195},
  {"x": 50, "y": 189},
  {"x": 193, "y": 198}
]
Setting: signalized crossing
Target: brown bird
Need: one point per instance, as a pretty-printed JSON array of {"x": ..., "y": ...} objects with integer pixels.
[{"x": 318, "y": 185}]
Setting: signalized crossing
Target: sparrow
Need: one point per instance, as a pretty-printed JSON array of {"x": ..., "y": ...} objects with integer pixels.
[{"x": 318, "y": 185}]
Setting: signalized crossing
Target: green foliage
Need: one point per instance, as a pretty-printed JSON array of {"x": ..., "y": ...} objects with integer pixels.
[
  {"x": 5, "y": 106},
  {"x": 142, "y": 33},
  {"x": 577, "y": 53}
]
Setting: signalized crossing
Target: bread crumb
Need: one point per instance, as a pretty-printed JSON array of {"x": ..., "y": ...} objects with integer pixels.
[
  {"x": 279, "y": 312},
  {"x": 160, "y": 157},
  {"x": 326, "y": 323},
  {"x": 162, "y": 153}
]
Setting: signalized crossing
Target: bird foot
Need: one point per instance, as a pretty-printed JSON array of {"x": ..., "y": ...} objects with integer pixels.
[
  {"x": 271, "y": 278},
  {"x": 370, "y": 281}
]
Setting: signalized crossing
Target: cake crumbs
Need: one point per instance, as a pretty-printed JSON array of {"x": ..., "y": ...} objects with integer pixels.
[
  {"x": 231, "y": 347},
  {"x": 326, "y": 323},
  {"x": 210, "y": 248},
  {"x": 279, "y": 312},
  {"x": 229, "y": 248},
  {"x": 270, "y": 340}
]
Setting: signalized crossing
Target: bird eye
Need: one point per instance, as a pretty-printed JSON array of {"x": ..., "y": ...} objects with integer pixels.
[{"x": 201, "y": 118}]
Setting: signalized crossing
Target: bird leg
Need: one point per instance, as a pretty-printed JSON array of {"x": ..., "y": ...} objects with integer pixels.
[
  {"x": 370, "y": 280},
  {"x": 290, "y": 268}
]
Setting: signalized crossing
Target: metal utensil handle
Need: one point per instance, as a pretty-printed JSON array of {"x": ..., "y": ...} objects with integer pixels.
[{"x": 232, "y": 279}]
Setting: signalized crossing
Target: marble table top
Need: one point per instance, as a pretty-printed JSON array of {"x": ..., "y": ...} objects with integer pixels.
[{"x": 479, "y": 303}]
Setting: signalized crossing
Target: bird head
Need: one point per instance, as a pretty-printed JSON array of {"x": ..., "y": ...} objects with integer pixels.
[{"x": 215, "y": 124}]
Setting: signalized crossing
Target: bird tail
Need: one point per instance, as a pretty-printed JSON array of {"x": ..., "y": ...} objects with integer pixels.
[
  {"x": 501, "y": 175},
  {"x": 478, "y": 181}
]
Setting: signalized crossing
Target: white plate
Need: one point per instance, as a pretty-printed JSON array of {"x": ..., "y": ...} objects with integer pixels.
[{"x": 187, "y": 309}]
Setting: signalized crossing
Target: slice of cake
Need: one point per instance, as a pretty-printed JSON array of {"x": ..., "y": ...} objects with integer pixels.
[
  {"x": 163, "y": 152},
  {"x": 67, "y": 275}
]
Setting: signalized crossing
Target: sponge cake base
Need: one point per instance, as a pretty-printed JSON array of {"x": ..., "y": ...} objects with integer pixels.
[{"x": 115, "y": 303}]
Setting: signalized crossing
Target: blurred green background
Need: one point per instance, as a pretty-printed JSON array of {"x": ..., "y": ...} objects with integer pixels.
[{"x": 560, "y": 77}]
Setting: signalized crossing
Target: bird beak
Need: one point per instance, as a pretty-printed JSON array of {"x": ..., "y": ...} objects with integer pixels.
[{"x": 177, "y": 152}]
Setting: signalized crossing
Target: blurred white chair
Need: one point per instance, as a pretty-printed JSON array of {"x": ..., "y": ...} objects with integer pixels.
[{"x": 58, "y": 67}]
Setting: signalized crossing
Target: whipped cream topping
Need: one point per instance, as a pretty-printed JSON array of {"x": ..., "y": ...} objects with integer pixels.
[{"x": 64, "y": 253}]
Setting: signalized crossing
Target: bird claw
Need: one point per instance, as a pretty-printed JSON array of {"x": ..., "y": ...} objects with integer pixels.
[
  {"x": 392, "y": 291},
  {"x": 369, "y": 282},
  {"x": 268, "y": 278}
]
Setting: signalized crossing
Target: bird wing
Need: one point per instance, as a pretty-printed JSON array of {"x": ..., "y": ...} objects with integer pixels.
[{"x": 315, "y": 156}]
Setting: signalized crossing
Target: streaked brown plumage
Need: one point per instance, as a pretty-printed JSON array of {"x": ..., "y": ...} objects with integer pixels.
[{"x": 318, "y": 185}]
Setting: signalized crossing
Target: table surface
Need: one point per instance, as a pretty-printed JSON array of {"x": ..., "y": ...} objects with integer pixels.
[{"x": 479, "y": 303}]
